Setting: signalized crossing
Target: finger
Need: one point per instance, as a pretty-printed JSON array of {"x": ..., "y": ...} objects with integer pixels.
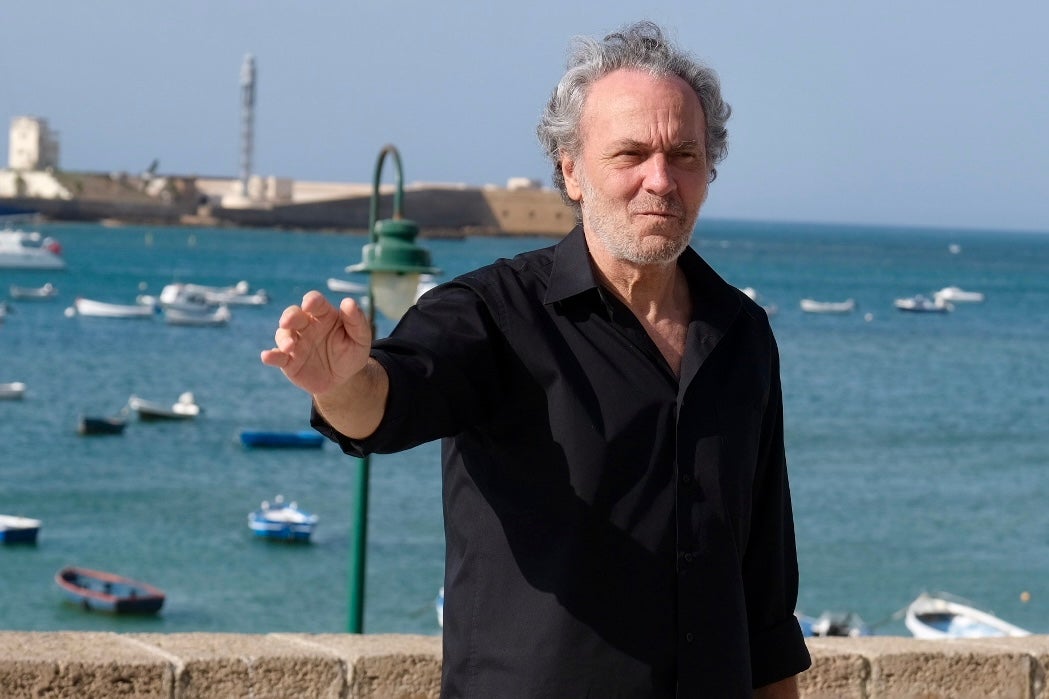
[
  {"x": 275, "y": 358},
  {"x": 315, "y": 304}
]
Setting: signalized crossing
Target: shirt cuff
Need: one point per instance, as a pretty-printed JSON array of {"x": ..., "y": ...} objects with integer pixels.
[{"x": 778, "y": 653}]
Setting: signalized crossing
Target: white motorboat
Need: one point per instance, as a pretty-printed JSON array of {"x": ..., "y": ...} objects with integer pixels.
[
  {"x": 185, "y": 408},
  {"x": 944, "y": 616},
  {"x": 239, "y": 294},
  {"x": 30, "y": 293},
  {"x": 921, "y": 303},
  {"x": 182, "y": 297},
  {"x": 344, "y": 286},
  {"x": 14, "y": 390},
  {"x": 833, "y": 624},
  {"x": 104, "y": 309},
  {"x": 204, "y": 318},
  {"x": 958, "y": 295},
  {"x": 282, "y": 522},
  {"x": 29, "y": 250},
  {"x": 814, "y": 306}
]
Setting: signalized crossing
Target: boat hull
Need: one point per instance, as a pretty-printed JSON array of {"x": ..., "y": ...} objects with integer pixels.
[
  {"x": 18, "y": 530},
  {"x": 90, "y": 426},
  {"x": 107, "y": 592},
  {"x": 260, "y": 439},
  {"x": 282, "y": 522}
]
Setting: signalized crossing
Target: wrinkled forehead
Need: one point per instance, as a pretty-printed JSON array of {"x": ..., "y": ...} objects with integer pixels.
[{"x": 638, "y": 106}]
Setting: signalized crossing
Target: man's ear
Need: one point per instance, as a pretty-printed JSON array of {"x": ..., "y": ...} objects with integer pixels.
[{"x": 568, "y": 169}]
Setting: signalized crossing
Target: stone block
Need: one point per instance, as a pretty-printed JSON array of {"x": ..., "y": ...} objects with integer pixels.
[
  {"x": 386, "y": 666},
  {"x": 837, "y": 672},
  {"x": 228, "y": 666},
  {"x": 949, "y": 669},
  {"x": 68, "y": 665}
]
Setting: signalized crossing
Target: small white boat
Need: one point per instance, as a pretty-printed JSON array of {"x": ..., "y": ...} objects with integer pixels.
[
  {"x": 282, "y": 522},
  {"x": 18, "y": 530},
  {"x": 833, "y": 624},
  {"x": 814, "y": 306},
  {"x": 205, "y": 318},
  {"x": 944, "y": 616},
  {"x": 183, "y": 298},
  {"x": 15, "y": 390},
  {"x": 239, "y": 294},
  {"x": 31, "y": 293},
  {"x": 958, "y": 295},
  {"x": 185, "y": 408},
  {"x": 103, "y": 309},
  {"x": 344, "y": 286},
  {"x": 923, "y": 304},
  {"x": 29, "y": 250}
]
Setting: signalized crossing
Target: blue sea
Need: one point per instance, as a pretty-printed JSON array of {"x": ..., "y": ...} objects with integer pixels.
[{"x": 918, "y": 444}]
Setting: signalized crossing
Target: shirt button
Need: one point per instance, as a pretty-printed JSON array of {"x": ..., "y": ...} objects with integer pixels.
[
  {"x": 687, "y": 479},
  {"x": 688, "y": 558},
  {"x": 689, "y": 637}
]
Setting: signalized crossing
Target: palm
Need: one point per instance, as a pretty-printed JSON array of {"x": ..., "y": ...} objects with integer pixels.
[{"x": 320, "y": 346}]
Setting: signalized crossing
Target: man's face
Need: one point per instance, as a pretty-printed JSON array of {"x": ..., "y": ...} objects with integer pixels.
[{"x": 642, "y": 173}]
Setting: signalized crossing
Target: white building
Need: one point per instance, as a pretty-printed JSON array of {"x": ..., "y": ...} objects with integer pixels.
[{"x": 32, "y": 144}]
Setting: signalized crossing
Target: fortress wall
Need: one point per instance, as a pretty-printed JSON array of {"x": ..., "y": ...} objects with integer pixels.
[{"x": 344, "y": 666}]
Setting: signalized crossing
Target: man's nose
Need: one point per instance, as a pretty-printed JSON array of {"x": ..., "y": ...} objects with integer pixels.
[{"x": 658, "y": 178}]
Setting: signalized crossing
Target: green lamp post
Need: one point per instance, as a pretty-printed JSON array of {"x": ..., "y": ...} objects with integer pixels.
[{"x": 393, "y": 263}]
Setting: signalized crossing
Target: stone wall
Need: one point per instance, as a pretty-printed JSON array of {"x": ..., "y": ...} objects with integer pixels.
[{"x": 343, "y": 666}]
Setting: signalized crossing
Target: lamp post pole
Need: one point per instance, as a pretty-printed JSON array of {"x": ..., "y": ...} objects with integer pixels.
[{"x": 393, "y": 263}]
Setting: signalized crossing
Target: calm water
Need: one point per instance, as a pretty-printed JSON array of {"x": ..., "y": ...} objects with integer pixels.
[{"x": 918, "y": 444}]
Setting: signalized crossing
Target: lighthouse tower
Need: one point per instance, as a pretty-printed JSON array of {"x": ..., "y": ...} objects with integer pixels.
[{"x": 247, "y": 123}]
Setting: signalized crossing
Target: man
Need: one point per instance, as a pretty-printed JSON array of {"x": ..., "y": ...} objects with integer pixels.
[{"x": 617, "y": 512}]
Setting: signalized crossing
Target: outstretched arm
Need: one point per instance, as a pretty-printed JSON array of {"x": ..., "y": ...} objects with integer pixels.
[{"x": 324, "y": 351}]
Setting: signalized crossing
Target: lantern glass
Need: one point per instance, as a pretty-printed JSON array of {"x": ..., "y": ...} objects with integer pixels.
[{"x": 394, "y": 292}]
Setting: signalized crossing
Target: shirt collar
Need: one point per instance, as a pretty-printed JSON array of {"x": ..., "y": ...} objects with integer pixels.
[
  {"x": 714, "y": 300},
  {"x": 571, "y": 273}
]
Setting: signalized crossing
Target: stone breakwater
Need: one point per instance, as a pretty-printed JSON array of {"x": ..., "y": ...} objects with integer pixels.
[{"x": 343, "y": 666}]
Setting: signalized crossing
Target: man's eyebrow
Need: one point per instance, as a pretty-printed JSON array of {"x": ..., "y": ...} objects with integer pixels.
[{"x": 633, "y": 144}]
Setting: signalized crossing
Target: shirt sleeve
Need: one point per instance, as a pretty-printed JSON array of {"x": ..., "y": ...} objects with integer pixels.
[
  {"x": 442, "y": 360},
  {"x": 770, "y": 566}
]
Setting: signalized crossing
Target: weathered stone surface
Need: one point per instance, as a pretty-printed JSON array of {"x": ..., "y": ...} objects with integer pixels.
[
  {"x": 226, "y": 666},
  {"x": 390, "y": 666},
  {"x": 1038, "y": 648},
  {"x": 950, "y": 669},
  {"x": 837, "y": 672},
  {"x": 65, "y": 665},
  {"x": 77, "y": 665}
]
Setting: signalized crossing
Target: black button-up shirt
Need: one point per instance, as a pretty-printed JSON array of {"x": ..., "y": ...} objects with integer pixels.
[{"x": 611, "y": 530}]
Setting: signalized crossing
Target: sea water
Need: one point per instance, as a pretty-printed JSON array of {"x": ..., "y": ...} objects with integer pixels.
[{"x": 918, "y": 444}]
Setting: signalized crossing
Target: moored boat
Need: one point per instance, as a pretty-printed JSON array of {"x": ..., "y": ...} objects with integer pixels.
[
  {"x": 104, "y": 309},
  {"x": 200, "y": 318},
  {"x": 301, "y": 439},
  {"x": 185, "y": 408},
  {"x": 13, "y": 390},
  {"x": 282, "y": 522},
  {"x": 94, "y": 425},
  {"x": 95, "y": 589},
  {"x": 18, "y": 530},
  {"x": 833, "y": 624},
  {"x": 921, "y": 303},
  {"x": 345, "y": 286},
  {"x": 945, "y": 616},
  {"x": 958, "y": 295},
  {"x": 814, "y": 306},
  {"x": 29, "y": 250},
  {"x": 33, "y": 293}
]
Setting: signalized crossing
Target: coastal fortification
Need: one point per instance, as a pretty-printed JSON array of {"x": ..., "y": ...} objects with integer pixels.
[{"x": 519, "y": 208}]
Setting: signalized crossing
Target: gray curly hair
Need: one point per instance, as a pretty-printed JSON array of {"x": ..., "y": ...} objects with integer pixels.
[{"x": 640, "y": 46}]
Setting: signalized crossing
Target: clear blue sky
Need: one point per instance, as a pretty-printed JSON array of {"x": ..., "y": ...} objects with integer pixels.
[{"x": 907, "y": 112}]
